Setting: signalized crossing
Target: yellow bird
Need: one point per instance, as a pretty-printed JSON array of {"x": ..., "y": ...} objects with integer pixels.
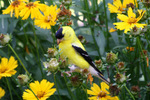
[{"x": 72, "y": 48}]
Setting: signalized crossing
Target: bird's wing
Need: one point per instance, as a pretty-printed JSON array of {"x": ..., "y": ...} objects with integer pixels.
[{"x": 85, "y": 55}]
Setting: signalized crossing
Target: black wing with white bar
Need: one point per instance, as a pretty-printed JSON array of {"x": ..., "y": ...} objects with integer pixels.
[{"x": 85, "y": 55}]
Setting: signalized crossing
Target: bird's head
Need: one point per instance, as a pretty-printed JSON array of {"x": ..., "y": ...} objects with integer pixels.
[{"x": 65, "y": 33}]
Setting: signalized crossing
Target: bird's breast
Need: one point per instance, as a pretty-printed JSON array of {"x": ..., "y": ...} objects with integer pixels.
[{"x": 67, "y": 51}]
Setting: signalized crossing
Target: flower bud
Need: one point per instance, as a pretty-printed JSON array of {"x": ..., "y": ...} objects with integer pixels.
[
  {"x": 136, "y": 31},
  {"x": 63, "y": 62},
  {"x": 121, "y": 66},
  {"x": 135, "y": 91},
  {"x": 23, "y": 79},
  {"x": 76, "y": 81},
  {"x": 5, "y": 39},
  {"x": 114, "y": 90},
  {"x": 52, "y": 52},
  {"x": 67, "y": 2},
  {"x": 52, "y": 65},
  {"x": 148, "y": 87},
  {"x": 120, "y": 78},
  {"x": 111, "y": 58},
  {"x": 82, "y": 39},
  {"x": 98, "y": 63}
]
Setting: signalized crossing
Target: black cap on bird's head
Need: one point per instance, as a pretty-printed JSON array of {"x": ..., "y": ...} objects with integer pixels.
[{"x": 59, "y": 34}]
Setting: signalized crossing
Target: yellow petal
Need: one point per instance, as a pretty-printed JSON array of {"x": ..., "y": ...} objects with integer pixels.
[
  {"x": 122, "y": 17},
  {"x": 130, "y": 13}
]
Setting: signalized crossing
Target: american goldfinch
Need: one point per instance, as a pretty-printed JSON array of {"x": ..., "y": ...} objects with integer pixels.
[{"x": 71, "y": 47}]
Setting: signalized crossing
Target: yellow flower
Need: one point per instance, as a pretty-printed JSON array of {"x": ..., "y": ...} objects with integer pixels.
[
  {"x": 100, "y": 93},
  {"x": 118, "y": 7},
  {"x": 7, "y": 67},
  {"x": 42, "y": 90},
  {"x": 48, "y": 19},
  {"x": 129, "y": 21},
  {"x": 2, "y": 92},
  {"x": 32, "y": 8},
  {"x": 15, "y": 6},
  {"x": 112, "y": 30}
]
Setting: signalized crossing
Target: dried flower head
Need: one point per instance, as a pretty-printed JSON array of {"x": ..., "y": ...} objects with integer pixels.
[
  {"x": 114, "y": 90},
  {"x": 135, "y": 91},
  {"x": 136, "y": 31},
  {"x": 23, "y": 79},
  {"x": 67, "y": 2},
  {"x": 120, "y": 78},
  {"x": 82, "y": 39},
  {"x": 52, "y": 52},
  {"x": 111, "y": 58},
  {"x": 64, "y": 16},
  {"x": 76, "y": 81},
  {"x": 121, "y": 66},
  {"x": 5, "y": 39},
  {"x": 52, "y": 65},
  {"x": 98, "y": 63}
]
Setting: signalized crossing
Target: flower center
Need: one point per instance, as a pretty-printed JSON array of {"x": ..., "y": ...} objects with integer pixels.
[
  {"x": 30, "y": 4},
  {"x": 48, "y": 18},
  {"x": 132, "y": 20},
  {"x": 102, "y": 94},
  {"x": 40, "y": 94},
  {"x": 121, "y": 9},
  {"x": 4, "y": 70},
  {"x": 16, "y": 3}
]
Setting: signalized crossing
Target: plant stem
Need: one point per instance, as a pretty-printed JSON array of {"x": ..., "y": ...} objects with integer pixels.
[
  {"x": 32, "y": 92},
  {"x": 19, "y": 59},
  {"x": 9, "y": 88},
  {"x": 56, "y": 86},
  {"x": 107, "y": 32},
  {"x": 129, "y": 92},
  {"x": 36, "y": 46},
  {"x": 69, "y": 91},
  {"x": 143, "y": 55},
  {"x": 92, "y": 29}
]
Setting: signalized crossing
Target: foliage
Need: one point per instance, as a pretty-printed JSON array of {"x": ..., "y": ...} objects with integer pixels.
[{"x": 122, "y": 57}]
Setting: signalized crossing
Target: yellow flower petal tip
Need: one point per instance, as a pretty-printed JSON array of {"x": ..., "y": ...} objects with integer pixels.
[
  {"x": 130, "y": 21},
  {"x": 7, "y": 67},
  {"x": 14, "y": 7},
  {"x": 32, "y": 9},
  {"x": 112, "y": 30},
  {"x": 100, "y": 93},
  {"x": 2, "y": 92},
  {"x": 42, "y": 90},
  {"x": 118, "y": 7},
  {"x": 48, "y": 19}
]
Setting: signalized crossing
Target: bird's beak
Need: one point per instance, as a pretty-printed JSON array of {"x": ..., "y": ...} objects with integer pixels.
[{"x": 58, "y": 41}]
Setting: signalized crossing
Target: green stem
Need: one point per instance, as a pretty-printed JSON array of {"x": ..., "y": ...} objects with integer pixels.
[
  {"x": 35, "y": 37},
  {"x": 129, "y": 92},
  {"x": 27, "y": 40},
  {"x": 19, "y": 59},
  {"x": 32, "y": 92},
  {"x": 69, "y": 91},
  {"x": 56, "y": 86},
  {"x": 9, "y": 88},
  {"x": 143, "y": 55},
  {"x": 92, "y": 29},
  {"x": 107, "y": 32}
]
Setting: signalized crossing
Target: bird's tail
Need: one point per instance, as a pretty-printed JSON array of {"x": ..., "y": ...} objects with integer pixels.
[
  {"x": 97, "y": 73},
  {"x": 103, "y": 79}
]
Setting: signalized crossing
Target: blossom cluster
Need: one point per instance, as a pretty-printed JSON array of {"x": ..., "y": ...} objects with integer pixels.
[
  {"x": 44, "y": 16},
  {"x": 125, "y": 13}
]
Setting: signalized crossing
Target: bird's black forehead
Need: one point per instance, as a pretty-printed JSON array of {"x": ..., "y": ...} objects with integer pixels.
[{"x": 59, "y": 34}]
